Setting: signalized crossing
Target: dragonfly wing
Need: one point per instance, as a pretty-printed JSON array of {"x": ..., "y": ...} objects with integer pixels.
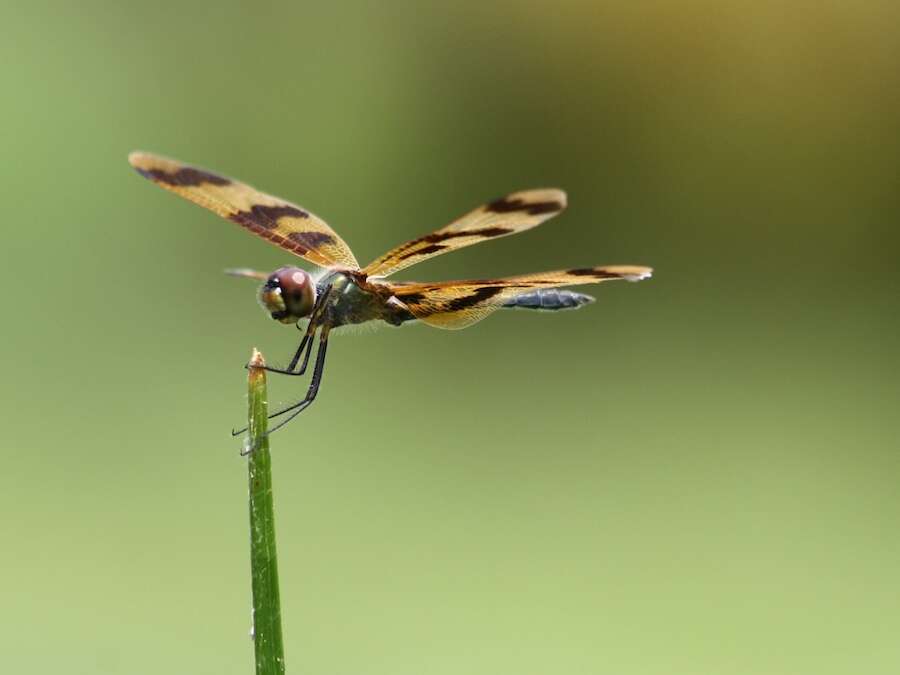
[
  {"x": 514, "y": 213},
  {"x": 284, "y": 224},
  {"x": 459, "y": 304}
]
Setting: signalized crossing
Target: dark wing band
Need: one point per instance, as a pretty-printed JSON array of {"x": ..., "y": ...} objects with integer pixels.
[
  {"x": 284, "y": 224},
  {"x": 459, "y": 304},
  {"x": 514, "y": 213}
]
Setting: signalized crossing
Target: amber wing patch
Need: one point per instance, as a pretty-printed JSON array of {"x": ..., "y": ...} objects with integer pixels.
[
  {"x": 459, "y": 304},
  {"x": 286, "y": 225},
  {"x": 514, "y": 213}
]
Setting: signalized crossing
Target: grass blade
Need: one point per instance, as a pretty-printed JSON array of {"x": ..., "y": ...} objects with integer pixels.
[{"x": 266, "y": 619}]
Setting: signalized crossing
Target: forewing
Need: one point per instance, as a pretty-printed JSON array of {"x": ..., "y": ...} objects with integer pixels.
[
  {"x": 516, "y": 212},
  {"x": 246, "y": 273},
  {"x": 459, "y": 304},
  {"x": 284, "y": 224}
]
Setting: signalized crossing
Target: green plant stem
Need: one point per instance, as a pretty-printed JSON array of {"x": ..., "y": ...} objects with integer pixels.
[{"x": 267, "y": 640}]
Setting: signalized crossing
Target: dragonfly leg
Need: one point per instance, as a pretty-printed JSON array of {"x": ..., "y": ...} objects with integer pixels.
[
  {"x": 311, "y": 393},
  {"x": 305, "y": 348},
  {"x": 314, "y": 384}
]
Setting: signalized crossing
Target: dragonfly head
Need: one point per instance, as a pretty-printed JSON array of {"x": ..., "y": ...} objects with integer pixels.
[{"x": 288, "y": 294}]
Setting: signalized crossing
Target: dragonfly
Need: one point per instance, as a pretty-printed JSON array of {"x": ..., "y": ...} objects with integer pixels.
[{"x": 341, "y": 293}]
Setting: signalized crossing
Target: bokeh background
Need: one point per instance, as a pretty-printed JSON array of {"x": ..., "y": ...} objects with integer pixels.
[{"x": 697, "y": 474}]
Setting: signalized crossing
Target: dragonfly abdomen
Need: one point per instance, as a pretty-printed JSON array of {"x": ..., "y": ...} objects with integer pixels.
[{"x": 550, "y": 299}]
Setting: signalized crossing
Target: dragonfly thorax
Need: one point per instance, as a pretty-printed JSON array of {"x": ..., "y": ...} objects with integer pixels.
[{"x": 288, "y": 294}]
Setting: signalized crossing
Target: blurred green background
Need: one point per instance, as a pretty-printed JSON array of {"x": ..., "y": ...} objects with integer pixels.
[{"x": 697, "y": 474}]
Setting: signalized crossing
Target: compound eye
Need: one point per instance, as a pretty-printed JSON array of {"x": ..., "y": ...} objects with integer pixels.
[
  {"x": 288, "y": 295},
  {"x": 298, "y": 292}
]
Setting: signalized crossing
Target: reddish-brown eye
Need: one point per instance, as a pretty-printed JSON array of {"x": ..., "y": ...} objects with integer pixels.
[{"x": 288, "y": 294}]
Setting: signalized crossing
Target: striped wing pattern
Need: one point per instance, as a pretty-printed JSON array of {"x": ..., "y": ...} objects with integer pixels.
[
  {"x": 514, "y": 213},
  {"x": 459, "y": 304},
  {"x": 284, "y": 224}
]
